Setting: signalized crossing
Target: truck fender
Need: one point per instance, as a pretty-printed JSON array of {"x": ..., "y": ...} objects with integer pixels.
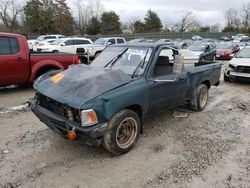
[{"x": 42, "y": 64}]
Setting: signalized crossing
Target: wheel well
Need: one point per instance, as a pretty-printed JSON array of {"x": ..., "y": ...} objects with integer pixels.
[
  {"x": 44, "y": 70},
  {"x": 136, "y": 108},
  {"x": 207, "y": 83},
  {"x": 98, "y": 52}
]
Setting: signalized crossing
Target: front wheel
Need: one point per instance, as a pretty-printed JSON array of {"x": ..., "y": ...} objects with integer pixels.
[
  {"x": 199, "y": 101},
  {"x": 227, "y": 78},
  {"x": 97, "y": 54},
  {"x": 122, "y": 132}
]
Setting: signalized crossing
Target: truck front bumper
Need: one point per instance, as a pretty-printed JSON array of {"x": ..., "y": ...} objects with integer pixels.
[{"x": 62, "y": 126}]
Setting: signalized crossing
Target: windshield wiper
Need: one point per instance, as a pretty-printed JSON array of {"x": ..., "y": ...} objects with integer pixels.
[
  {"x": 113, "y": 61},
  {"x": 140, "y": 64}
]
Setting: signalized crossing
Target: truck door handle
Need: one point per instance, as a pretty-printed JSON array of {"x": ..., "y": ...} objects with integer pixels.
[{"x": 19, "y": 59}]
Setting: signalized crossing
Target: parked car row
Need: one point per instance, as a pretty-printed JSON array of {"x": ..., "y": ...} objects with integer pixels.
[{"x": 205, "y": 49}]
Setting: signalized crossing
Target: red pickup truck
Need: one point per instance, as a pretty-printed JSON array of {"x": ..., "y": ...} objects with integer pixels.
[{"x": 20, "y": 66}]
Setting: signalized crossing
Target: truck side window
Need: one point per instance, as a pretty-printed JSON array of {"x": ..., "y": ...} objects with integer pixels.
[
  {"x": 163, "y": 65},
  {"x": 112, "y": 41},
  {"x": 9, "y": 45},
  {"x": 120, "y": 41},
  {"x": 14, "y": 45},
  {"x": 4, "y": 46}
]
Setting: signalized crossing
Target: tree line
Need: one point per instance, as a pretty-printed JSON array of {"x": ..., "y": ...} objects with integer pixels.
[
  {"x": 37, "y": 17},
  {"x": 238, "y": 20}
]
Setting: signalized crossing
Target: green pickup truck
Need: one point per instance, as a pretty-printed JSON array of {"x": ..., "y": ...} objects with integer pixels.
[{"x": 107, "y": 101}]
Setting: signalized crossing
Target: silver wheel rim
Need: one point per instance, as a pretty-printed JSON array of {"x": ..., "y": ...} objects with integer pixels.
[
  {"x": 126, "y": 132},
  {"x": 203, "y": 98}
]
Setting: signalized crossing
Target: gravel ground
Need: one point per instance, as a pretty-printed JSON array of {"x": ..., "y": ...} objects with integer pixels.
[{"x": 204, "y": 149}]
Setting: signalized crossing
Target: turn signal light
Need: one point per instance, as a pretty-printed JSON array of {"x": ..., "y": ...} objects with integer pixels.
[
  {"x": 71, "y": 135},
  {"x": 89, "y": 117}
]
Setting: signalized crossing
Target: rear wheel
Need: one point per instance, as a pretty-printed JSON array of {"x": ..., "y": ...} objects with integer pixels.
[
  {"x": 55, "y": 51},
  {"x": 199, "y": 102},
  {"x": 123, "y": 132}
]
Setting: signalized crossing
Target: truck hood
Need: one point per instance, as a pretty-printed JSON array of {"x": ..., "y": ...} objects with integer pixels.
[
  {"x": 81, "y": 83},
  {"x": 240, "y": 62},
  {"x": 95, "y": 45}
]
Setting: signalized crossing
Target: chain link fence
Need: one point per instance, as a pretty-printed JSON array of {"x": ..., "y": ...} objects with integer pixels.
[{"x": 160, "y": 35}]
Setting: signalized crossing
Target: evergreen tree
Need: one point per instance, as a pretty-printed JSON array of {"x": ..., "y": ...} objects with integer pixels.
[
  {"x": 48, "y": 17},
  {"x": 152, "y": 21},
  {"x": 94, "y": 27},
  {"x": 110, "y": 23},
  {"x": 139, "y": 27},
  {"x": 32, "y": 11},
  {"x": 63, "y": 20}
]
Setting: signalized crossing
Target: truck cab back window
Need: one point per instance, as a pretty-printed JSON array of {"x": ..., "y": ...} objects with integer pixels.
[{"x": 9, "y": 45}]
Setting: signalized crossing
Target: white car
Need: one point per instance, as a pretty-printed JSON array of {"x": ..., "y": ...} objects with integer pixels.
[
  {"x": 42, "y": 43},
  {"x": 32, "y": 43},
  {"x": 100, "y": 44},
  {"x": 239, "y": 66},
  {"x": 66, "y": 45}
]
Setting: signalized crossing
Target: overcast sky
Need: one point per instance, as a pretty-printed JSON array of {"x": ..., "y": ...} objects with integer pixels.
[{"x": 208, "y": 12}]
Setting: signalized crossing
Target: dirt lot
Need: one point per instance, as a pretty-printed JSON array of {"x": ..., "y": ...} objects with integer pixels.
[{"x": 205, "y": 149}]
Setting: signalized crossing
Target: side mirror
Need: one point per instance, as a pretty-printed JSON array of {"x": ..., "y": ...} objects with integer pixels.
[
  {"x": 109, "y": 43},
  {"x": 63, "y": 44}
]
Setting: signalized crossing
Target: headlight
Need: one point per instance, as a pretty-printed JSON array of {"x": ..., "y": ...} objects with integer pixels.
[{"x": 88, "y": 118}]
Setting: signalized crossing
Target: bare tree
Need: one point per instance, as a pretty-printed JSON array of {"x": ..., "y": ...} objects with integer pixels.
[
  {"x": 9, "y": 12},
  {"x": 245, "y": 14},
  {"x": 187, "y": 23},
  {"x": 231, "y": 16},
  {"x": 85, "y": 12}
]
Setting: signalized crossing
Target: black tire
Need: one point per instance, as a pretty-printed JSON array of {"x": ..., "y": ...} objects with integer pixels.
[
  {"x": 55, "y": 51},
  {"x": 83, "y": 60},
  {"x": 47, "y": 72},
  {"x": 227, "y": 78},
  {"x": 118, "y": 132},
  {"x": 199, "y": 102},
  {"x": 97, "y": 54}
]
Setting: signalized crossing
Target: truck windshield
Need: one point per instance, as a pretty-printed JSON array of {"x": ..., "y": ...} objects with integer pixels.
[
  {"x": 244, "y": 53},
  {"x": 100, "y": 41},
  {"x": 127, "y": 59}
]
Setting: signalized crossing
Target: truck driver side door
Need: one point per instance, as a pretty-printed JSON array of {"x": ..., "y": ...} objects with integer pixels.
[{"x": 166, "y": 88}]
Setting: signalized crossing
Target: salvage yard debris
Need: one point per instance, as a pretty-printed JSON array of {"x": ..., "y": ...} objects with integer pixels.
[{"x": 19, "y": 108}]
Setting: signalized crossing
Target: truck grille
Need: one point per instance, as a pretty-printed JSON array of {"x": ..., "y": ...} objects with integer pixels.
[
  {"x": 57, "y": 108},
  {"x": 242, "y": 69}
]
